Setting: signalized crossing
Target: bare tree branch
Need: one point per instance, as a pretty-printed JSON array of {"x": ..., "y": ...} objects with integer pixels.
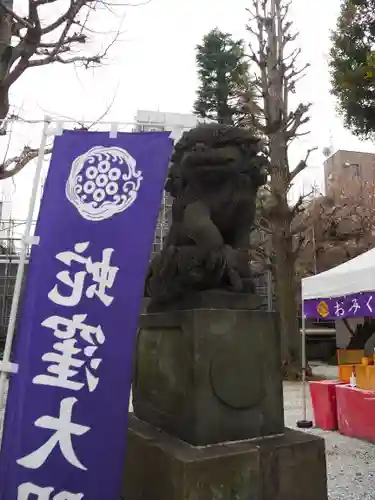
[
  {"x": 26, "y": 48},
  {"x": 301, "y": 165},
  {"x": 86, "y": 60},
  {"x": 70, "y": 14},
  {"x": 298, "y": 244},
  {"x": 19, "y": 19},
  {"x": 296, "y": 119},
  {"x": 79, "y": 38},
  {"x": 44, "y": 2},
  {"x": 14, "y": 165},
  {"x": 291, "y": 77},
  {"x": 40, "y": 43},
  {"x": 298, "y": 206},
  {"x": 57, "y": 58}
]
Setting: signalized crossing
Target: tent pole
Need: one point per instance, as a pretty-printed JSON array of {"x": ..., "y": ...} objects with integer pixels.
[{"x": 304, "y": 423}]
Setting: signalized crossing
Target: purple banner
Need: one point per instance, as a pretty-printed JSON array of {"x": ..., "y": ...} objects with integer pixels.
[
  {"x": 349, "y": 306},
  {"x": 66, "y": 415}
]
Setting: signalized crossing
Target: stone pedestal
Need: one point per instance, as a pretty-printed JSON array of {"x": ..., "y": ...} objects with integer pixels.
[
  {"x": 209, "y": 375},
  {"x": 287, "y": 467},
  {"x": 208, "y": 420}
]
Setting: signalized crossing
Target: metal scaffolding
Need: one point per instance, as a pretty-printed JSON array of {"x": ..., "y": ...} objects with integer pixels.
[
  {"x": 11, "y": 233},
  {"x": 163, "y": 224}
]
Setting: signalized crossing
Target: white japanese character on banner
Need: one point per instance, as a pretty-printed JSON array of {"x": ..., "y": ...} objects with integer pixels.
[
  {"x": 25, "y": 491},
  {"x": 339, "y": 310},
  {"x": 368, "y": 303},
  {"x": 355, "y": 306},
  {"x": 64, "y": 363},
  {"x": 102, "y": 274},
  {"x": 64, "y": 430}
]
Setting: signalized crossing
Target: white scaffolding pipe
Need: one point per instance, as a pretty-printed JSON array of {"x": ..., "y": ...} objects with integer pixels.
[
  {"x": 91, "y": 123},
  {"x": 6, "y": 366},
  {"x": 12, "y": 259}
]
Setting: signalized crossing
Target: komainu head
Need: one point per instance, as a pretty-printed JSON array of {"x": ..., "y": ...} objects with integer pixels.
[{"x": 213, "y": 154}]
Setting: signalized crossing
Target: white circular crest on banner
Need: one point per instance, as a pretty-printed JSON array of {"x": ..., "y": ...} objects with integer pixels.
[{"x": 103, "y": 182}]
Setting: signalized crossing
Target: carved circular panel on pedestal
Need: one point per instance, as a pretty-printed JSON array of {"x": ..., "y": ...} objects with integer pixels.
[{"x": 236, "y": 374}]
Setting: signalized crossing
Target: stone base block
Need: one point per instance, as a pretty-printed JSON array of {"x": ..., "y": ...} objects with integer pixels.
[
  {"x": 209, "y": 299},
  {"x": 209, "y": 375},
  {"x": 287, "y": 467}
]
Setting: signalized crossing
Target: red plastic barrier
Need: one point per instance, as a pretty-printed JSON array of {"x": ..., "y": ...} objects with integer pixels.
[
  {"x": 323, "y": 397},
  {"x": 355, "y": 411}
]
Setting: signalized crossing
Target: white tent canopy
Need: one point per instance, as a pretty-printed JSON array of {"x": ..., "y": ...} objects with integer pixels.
[{"x": 355, "y": 276}]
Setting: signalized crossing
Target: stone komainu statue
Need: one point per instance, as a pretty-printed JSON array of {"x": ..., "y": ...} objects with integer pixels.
[{"x": 214, "y": 177}]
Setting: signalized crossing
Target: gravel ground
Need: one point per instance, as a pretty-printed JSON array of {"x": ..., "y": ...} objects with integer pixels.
[
  {"x": 350, "y": 462},
  {"x": 319, "y": 369}
]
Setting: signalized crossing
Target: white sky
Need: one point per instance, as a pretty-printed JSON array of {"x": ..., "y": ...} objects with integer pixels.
[{"x": 153, "y": 67}]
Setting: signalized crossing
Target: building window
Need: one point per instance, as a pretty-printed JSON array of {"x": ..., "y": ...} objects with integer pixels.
[
  {"x": 354, "y": 169},
  {"x": 150, "y": 128}
]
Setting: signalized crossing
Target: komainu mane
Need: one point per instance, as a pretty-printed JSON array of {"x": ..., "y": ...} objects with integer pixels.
[{"x": 214, "y": 177}]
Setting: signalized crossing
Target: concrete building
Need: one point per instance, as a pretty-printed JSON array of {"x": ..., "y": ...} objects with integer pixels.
[
  {"x": 350, "y": 174},
  {"x": 148, "y": 121}
]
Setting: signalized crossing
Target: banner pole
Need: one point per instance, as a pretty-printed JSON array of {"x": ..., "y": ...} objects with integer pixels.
[
  {"x": 5, "y": 365},
  {"x": 304, "y": 423}
]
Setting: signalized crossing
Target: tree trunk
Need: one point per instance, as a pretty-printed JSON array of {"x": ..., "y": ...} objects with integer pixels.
[
  {"x": 287, "y": 305},
  {"x": 4, "y": 102},
  {"x": 282, "y": 240},
  {"x": 5, "y": 55},
  {"x": 278, "y": 75}
]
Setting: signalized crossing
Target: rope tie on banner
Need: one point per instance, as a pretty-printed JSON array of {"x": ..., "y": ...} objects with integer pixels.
[
  {"x": 31, "y": 240},
  {"x": 176, "y": 134},
  {"x": 57, "y": 130},
  {"x": 114, "y": 131},
  {"x": 8, "y": 367}
]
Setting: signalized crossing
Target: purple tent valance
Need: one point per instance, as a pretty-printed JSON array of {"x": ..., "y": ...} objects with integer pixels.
[{"x": 348, "y": 306}]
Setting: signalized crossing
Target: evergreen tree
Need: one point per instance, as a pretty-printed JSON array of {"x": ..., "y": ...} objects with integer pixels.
[
  {"x": 352, "y": 65},
  {"x": 224, "y": 79}
]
